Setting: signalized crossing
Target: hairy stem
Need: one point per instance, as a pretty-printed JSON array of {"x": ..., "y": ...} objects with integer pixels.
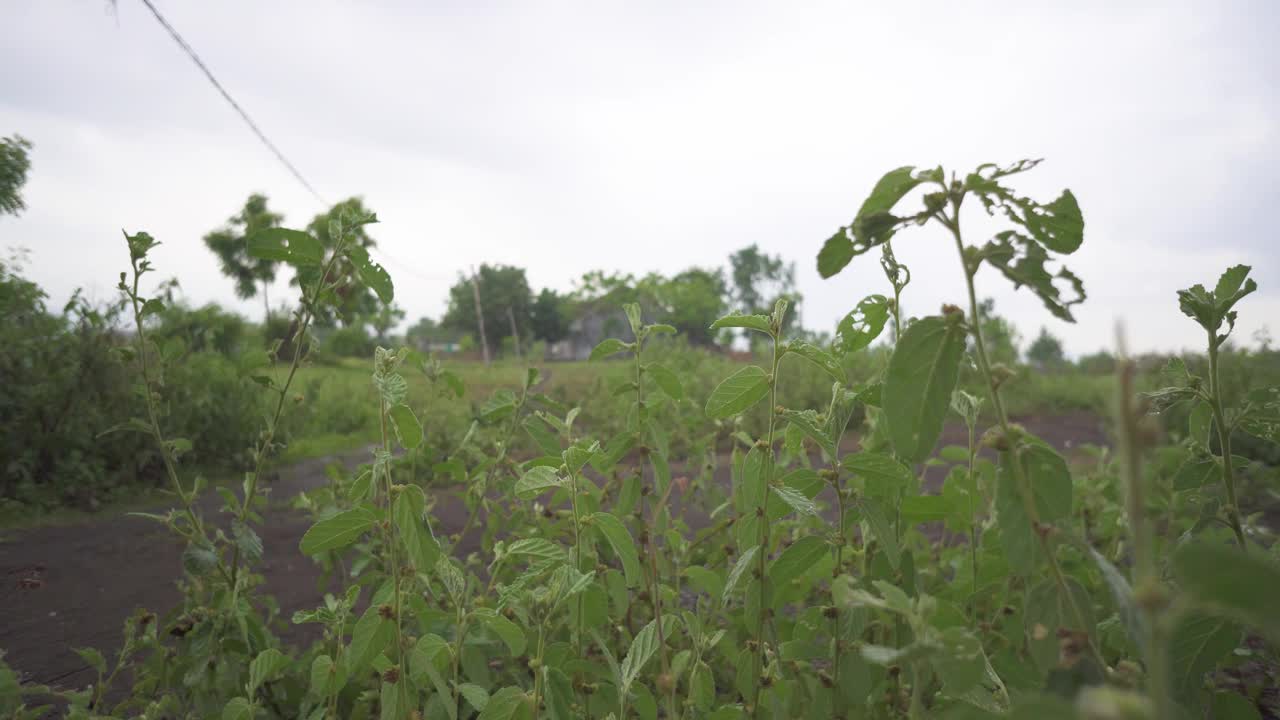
[
  {"x": 1224, "y": 442},
  {"x": 993, "y": 392},
  {"x": 763, "y": 513},
  {"x": 1149, "y": 590}
]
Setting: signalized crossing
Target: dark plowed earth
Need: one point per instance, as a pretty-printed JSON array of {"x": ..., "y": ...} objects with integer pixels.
[{"x": 72, "y": 586}]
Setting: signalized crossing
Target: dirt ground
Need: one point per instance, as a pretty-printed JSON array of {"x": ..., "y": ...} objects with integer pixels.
[{"x": 71, "y": 586}]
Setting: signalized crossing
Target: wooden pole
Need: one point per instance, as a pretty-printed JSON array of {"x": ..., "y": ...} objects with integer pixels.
[
  {"x": 514, "y": 332},
  {"x": 475, "y": 289}
]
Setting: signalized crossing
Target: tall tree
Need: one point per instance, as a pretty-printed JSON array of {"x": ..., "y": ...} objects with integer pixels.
[
  {"x": 356, "y": 302},
  {"x": 549, "y": 317},
  {"x": 1046, "y": 351},
  {"x": 691, "y": 302},
  {"x": 228, "y": 243},
  {"x": 1003, "y": 340},
  {"x": 14, "y": 164},
  {"x": 759, "y": 281},
  {"x": 387, "y": 317},
  {"x": 501, "y": 287}
]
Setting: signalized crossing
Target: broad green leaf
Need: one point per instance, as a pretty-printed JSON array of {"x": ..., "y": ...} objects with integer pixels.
[
  {"x": 704, "y": 580},
  {"x": 393, "y": 700},
  {"x": 862, "y": 325},
  {"x": 666, "y": 380},
  {"x": 1210, "y": 309},
  {"x": 237, "y": 709},
  {"x": 745, "y": 561},
  {"x": 925, "y": 508},
  {"x": 607, "y": 347},
  {"x": 94, "y": 657},
  {"x": 738, "y": 392},
  {"x": 634, "y": 317},
  {"x": 322, "y": 676},
  {"x": 960, "y": 663},
  {"x": 874, "y": 512},
  {"x": 510, "y": 633},
  {"x": 874, "y": 224},
  {"x": 1197, "y": 643},
  {"x": 542, "y": 435},
  {"x": 477, "y": 696},
  {"x": 1122, "y": 594},
  {"x": 807, "y": 423},
  {"x": 409, "y": 513},
  {"x": 422, "y": 658},
  {"x": 371, "y": 635},
  {"x": 536, "y": 481},
  {"x": 796, "y": 500},
  {"x": 265, "y": 666},
  {"x": 1227, "y": 582},
  {"x": 1047, "y": 611},
  {"x": 1023, "y": 261},
  {"x": 503, "y": 704},
  {"x": 616, "y": 534},
  {"x": 338, "y": 531},
  {"x": 282, "y": 244},
  {"x": 884, "y": 476},
  {"x": 199, "y": 558},
  {"x": 819, "y": 357},
  {"x": 796, "y": 560},
  {"x": 1195, "y": 472},
  {"x": 917, "y": 390},
  {"x": 408, "y": 429},
  {"x": 642, "y": 649},
  {"x": 372, "y": 274},
  {"x": 576, "y": 456},
  {"x": 759, "y": 323},
  {"x": 1049, "y": 480},
  {"x": 501, "y": 404},
  {"x": 539, "y": 548},
  {"x": 455, "y": 583}
]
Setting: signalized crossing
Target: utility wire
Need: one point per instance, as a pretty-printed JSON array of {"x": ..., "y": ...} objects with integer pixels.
[
  {"x": 261, "y": 135},
  {"x": 248, "y": 120}
]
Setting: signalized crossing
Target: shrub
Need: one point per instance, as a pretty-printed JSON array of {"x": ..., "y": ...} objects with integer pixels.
[
  {"x": 347, "y": 342},
  {"x": 205, "y": 328}
]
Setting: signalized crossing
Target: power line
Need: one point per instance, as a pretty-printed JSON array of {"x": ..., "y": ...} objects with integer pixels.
[
  {"x": 248, "y": 120},
  {"x": 261, "y": 135}
]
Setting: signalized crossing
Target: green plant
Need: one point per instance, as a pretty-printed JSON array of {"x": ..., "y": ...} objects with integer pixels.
[{"x": 660, "y": 550}]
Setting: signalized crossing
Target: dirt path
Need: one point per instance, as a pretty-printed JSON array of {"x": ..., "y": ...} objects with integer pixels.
[{"x": 72, "y": 586}]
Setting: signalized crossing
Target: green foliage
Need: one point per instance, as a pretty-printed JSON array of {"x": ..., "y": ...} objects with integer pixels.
[
  {"x": 14, "y": 166},
  {"x": 1046, "y": 351},
  {"x": 504, "y": 295},
  {"x": 606, "y": 569},
  {"x": 234, "y": 259}
]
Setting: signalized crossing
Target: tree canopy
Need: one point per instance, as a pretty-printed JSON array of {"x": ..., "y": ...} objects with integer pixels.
[
  {"x": 228, "y": 244},
  {"x": 503, "y": 288},
  {"x": 14, "y": 165}
]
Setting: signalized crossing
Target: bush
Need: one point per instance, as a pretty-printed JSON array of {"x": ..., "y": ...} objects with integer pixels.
[
  {"x": 66, "y": 385},
  {"x": 208, "y": 328},
  {"x": 347, "y": 342}
]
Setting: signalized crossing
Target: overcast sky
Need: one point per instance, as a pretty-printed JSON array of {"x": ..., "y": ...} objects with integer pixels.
[{"x": 566, "y": 137}]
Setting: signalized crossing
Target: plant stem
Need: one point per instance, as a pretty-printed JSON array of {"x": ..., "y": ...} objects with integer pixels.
[
  {"x": 1224, "y": 443},
  {"x": 1149, "y": 590},
  {"x": 537, "y": 673},
  {"x": 973, "y": 525},
  {"x": 655, "y": 597},
  {"x": 763, "y": 513},
  {"x": 1019, "y": 473},
  {"x": 836, "y": 640},
  {"x": 392, "y": 541}
]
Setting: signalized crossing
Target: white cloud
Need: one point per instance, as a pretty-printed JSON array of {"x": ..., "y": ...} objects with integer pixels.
[{"x": 566, "y": 137}]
